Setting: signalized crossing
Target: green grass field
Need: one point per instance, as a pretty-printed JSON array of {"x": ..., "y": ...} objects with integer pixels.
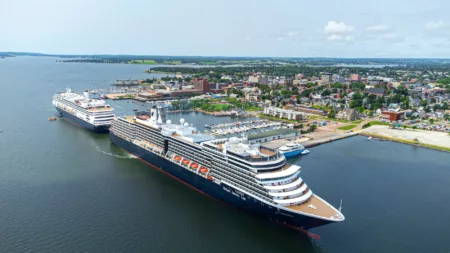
[
  {"x": 347, "y": 127},
  {"x": 376, "y": 122},
  {"x": 142, "y": 62}
]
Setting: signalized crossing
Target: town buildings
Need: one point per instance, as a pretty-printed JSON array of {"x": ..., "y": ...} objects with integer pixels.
[
  {"x": 283, "y": 113},
  {"x": 355, "y": 78},
  {"x": 326, "y": 78},
  {"x": 394, "y": 115},
  {"x": 348, "y": 114}
]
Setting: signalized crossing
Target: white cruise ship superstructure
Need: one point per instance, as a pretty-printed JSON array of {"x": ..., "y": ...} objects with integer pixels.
[{"x": 92, "y": 114}]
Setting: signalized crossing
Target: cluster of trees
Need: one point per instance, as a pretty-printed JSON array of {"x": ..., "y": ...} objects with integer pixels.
[{"x": 213, "y": 104}]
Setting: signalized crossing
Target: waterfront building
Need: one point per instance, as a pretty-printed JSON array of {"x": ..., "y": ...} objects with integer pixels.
[
  {"x": 348, "y": 114},
  {"x": 283, "y": 113},
  {"x": 268, "y": 136},
  {"x": 307, "y": 109},
  {"x": 201, "y": 84},
  {"x": 393, "y": 115}
]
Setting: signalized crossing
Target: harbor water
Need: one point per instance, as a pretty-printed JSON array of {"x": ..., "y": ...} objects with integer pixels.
[{"x": 63, "y": 189}]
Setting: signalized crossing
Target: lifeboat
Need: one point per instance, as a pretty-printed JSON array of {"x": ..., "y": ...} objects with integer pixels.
[
  {"x": 203, "y": 170},
  {"x": 186, "y": 161},
  {"x": 210, "y": 178},
  {"x": 194, "y": 165},
  {"x": 177, "y": 158}
]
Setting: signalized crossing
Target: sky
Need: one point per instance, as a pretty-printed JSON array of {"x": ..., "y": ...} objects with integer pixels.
[{"x": 282, "y": 28}]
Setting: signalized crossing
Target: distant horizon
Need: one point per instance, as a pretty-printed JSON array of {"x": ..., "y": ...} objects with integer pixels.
[{"x": 41, "y": 54}]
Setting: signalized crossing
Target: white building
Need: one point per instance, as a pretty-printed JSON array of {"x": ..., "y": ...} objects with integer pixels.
[{"x": 283, "y": 113}]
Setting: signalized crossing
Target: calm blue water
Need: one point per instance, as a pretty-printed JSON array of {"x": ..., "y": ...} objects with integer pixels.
[{"x": 63, "y": 189}]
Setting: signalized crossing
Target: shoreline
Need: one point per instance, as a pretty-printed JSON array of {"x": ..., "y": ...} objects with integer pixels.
[{"x": 405, "y": 141}]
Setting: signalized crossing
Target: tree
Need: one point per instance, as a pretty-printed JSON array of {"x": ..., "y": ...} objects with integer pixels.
[
  {"x": 332, "y": 114},
  {"x": 414, "y": 127},
  {"x": 312, "y": 128},
  {"x": 404, "y": 126},
  {"x": 431, "y": 121}
]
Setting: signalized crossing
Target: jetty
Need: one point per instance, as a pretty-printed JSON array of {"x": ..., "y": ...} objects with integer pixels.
[{"x": 313, "y": 143}]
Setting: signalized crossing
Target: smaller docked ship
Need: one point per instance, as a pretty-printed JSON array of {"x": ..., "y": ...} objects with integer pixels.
[
  {"x": 292, "y": 149},
  {"x": 92, "y": 114}
]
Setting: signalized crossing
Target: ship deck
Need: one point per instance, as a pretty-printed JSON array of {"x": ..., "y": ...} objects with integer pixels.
[
  {"x": 285, "y": 167},
  {"x": 321, "y": 208}
]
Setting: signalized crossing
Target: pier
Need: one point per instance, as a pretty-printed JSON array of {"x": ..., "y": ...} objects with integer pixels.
[{"x": 312, "y": 143}]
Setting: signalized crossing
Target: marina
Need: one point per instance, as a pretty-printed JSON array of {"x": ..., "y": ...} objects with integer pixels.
[{"x": 247, "y": 127}]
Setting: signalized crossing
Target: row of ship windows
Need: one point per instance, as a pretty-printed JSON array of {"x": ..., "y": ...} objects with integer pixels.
[
  {"x": 277, "y": 165},
  {"x": 175, "y": 141},
  {"x": 157, "y": 142},
  {"x": 252, "y": 179},
  {"x": 190, "y": 156},
  {"x": 230, "y": 177},
  {"x": 237, "y": 168},
  {"x": 254, "y": 193},
  {"x": 273, "y": 179},
  {"x": 146, "y": 132},
  {"x": 73, "y": 104},
  {"x": 181, "y": 148}
]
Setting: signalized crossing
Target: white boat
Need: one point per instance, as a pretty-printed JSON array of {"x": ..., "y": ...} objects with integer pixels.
[
  {"x": 370, "y": 138},
  {"x": 291, "y": 149},
  {"x": 305, "y": 152}
]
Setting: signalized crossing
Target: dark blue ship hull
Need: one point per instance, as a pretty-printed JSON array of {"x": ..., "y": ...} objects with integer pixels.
[
  {"x": 221, "y": 192},
  {"x": 81, "y": 123}
]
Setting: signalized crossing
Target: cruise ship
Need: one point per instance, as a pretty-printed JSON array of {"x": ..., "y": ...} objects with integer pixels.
[
  {"x": 92, "y": 114},
  {"x": 250, "y": 177}
]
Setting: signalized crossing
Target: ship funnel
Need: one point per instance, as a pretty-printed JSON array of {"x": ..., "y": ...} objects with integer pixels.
[{"x": 86, "y": 94}]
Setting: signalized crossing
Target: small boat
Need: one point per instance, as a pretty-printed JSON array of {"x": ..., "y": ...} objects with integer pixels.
[
  {"x": 291, "y": 149},
  {"x": 370, "y": 138},
  {"x": 305, "y": 152},
  {"x": 135, "y": 109},
  {"x": 203, "y": 170}
]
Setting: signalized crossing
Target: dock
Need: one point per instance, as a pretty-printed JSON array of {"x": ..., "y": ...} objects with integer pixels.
[{"x": 312, "y": 143}]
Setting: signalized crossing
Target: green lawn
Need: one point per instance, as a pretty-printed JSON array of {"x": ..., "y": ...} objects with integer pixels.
[
  {"x": 254, "y": 109},
  {"x": 347, "y": 127},
  {"x": 142, "y": 62},
  {"x": 376, "y": 122}
]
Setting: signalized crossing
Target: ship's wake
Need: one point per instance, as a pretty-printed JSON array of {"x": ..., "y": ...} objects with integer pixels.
[{"x": 122, "y": 155}]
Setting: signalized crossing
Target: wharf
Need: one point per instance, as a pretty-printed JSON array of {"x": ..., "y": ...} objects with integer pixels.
[{"x": 312, "y": 143}]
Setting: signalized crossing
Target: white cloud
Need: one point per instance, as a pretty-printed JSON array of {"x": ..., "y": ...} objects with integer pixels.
[
  {"x": 292, "y": 33},
  {"x": 377, "y": 28},
  {"x": 334, "y": 27},
  {"x": 339, "y": 31},
  {"x": 280, "y": 38},
  {"x": 248, "y": 38},
  {"x": 335, "y": 37},
  {"x": 433, "y": 25}
]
